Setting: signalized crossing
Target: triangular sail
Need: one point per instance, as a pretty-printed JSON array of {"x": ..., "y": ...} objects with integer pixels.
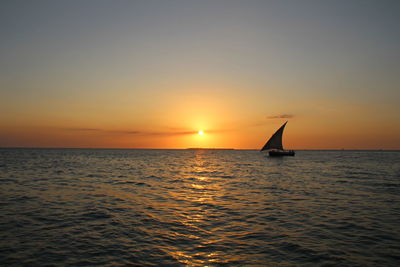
[{"x": 275, "y": 142}]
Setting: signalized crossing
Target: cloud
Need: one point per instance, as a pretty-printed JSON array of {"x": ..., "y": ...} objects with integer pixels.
[
  {"x": 173, "y": 131},
  {"x": 157, "y": 133},
  {"x": 281, "y": 116},
  {"x": 131, "y": 132},
  {"x": 82, "y": 129}
]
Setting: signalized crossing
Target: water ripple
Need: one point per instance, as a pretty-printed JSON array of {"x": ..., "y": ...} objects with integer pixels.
[{"x": 198, "y": 208}]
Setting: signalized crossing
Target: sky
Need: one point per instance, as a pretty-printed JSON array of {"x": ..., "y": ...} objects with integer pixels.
[{"x": 151, "y": 74}]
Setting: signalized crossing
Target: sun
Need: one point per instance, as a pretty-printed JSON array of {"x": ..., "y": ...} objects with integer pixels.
[{"x": 201, "y": 132}]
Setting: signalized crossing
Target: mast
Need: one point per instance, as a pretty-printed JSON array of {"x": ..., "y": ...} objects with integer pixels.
[{"x": 275, "y": 142}]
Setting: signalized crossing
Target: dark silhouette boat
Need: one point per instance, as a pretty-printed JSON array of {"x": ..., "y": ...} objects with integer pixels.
[{"x": 274, "y": 145}]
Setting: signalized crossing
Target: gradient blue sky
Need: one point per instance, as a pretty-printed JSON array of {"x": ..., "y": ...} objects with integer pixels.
[{"x": 176, "y": 67}]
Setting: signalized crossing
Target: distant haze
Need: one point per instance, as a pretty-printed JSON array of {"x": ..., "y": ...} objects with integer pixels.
[{"x": 152, "y": 74}]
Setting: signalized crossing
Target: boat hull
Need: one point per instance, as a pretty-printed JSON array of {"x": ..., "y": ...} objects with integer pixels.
[{"x": 281, "y": 153}]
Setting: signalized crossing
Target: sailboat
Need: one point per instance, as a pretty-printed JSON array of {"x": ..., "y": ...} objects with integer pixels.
[{"x": 274, "y": 144}]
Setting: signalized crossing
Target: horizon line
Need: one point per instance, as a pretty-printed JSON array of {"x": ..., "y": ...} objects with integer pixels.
[{"x": 199, "y": 148}]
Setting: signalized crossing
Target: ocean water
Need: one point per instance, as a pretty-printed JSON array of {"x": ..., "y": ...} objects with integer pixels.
[{"x": 85, "y": 207}]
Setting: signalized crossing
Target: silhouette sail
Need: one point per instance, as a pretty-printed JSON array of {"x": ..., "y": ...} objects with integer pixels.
[
  {"x": 275, "y": 142},
  {"x": 274, "y": 145}
]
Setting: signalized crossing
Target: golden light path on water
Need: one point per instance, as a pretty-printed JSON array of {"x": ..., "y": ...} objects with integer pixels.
[{"x": 202, "y": 193}]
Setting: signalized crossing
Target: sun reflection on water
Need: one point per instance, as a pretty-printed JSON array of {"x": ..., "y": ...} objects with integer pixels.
[{"x": 198, "y": 194}]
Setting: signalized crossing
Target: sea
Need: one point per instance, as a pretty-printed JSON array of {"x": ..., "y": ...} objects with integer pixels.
[{"x": 122, "y": 207}]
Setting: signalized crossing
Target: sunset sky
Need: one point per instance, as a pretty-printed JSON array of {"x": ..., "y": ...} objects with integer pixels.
[{"x": 151, "y": 74}]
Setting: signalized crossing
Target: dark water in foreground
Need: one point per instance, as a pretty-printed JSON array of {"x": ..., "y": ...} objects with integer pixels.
[{"x": 198, "y": 207}]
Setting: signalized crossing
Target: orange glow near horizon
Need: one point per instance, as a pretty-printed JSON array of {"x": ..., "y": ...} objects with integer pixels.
[{"x": 298, "y": 135}]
